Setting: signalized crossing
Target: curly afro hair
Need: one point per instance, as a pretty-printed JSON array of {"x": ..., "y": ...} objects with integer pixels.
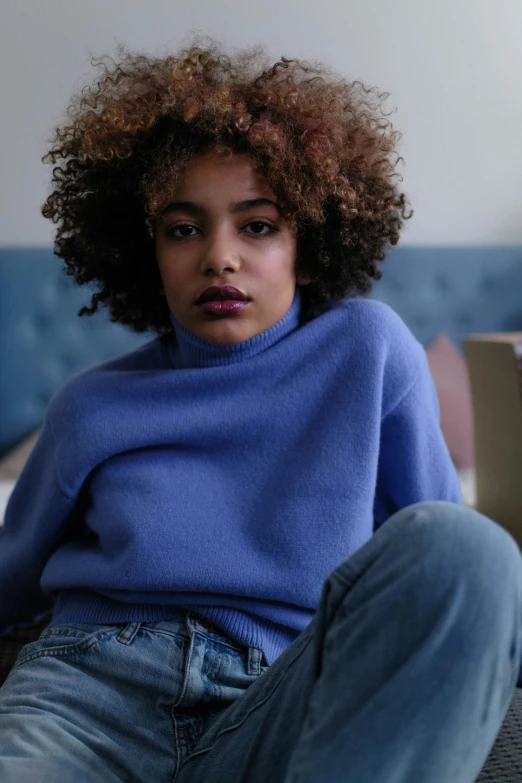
[{"x": 323, "y": 144}]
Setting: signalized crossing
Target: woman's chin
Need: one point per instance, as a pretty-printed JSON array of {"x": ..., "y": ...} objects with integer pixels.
[{"x": 225, "y": 331}]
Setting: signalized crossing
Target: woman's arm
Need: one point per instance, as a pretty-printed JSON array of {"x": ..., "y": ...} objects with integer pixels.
[
  {"x": 37, "y": 519},
  {"x": 414, "y": 461}
]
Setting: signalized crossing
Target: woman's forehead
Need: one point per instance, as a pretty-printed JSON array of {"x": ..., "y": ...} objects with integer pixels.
[{"x": 213, "y": 172}]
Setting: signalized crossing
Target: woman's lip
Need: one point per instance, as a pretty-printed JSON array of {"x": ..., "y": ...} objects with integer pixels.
[{"x": 223, "y": 306}]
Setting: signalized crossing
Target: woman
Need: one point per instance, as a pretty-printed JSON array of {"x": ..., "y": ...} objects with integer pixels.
[{"x": 249, "y": 530}]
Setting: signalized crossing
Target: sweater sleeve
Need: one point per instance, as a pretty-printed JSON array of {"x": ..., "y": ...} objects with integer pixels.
[
  {"x": 414, "y": 461},
  {"x": 37, "y": 519}
]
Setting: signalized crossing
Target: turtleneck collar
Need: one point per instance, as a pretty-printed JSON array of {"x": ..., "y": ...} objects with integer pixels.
[{"x": 189, "y": 351}]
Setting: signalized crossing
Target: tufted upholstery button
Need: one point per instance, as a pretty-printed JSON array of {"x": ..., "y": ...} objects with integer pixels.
[
  {"x": 42, "y": 321},
  {"x": 441, "y": 284},
  {"x": 464, "y": 321},
  {"x": 68, "y": 363},
  {"x": 26, "y": 333},
  {"x": 489, "y": 285}
]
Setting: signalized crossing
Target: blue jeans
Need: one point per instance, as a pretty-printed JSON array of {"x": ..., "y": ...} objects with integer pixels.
[{"x": 404, "y": 675}]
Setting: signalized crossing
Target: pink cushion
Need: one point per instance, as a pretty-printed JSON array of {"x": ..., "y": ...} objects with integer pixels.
[{"x": 450, "y": 375}]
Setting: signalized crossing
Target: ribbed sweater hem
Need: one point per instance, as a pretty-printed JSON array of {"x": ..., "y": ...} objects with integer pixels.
[{"x": 240, "y": 627}]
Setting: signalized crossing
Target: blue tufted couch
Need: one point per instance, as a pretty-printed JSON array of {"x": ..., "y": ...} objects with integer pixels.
[{"x": 455, "y": 290}]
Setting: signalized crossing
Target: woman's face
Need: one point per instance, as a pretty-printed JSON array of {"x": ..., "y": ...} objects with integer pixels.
[{"x": 222, "y": 226}]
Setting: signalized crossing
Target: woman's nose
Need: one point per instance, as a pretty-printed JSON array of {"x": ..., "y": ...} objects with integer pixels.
[{"x": 220, "y": 255}]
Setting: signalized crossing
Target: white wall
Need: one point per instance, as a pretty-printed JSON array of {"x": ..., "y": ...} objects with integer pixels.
[{"x": 453, "y": 69}]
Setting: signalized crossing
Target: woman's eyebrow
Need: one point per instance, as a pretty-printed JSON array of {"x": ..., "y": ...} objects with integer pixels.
[
  {"x": 199, "y": 209},
  {"x": 251, "y": 203}
]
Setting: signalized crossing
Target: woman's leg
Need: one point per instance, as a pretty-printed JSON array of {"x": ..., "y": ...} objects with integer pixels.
[
  {"x": 117, "y": 703},
  {"x": 404, "y": 674}
]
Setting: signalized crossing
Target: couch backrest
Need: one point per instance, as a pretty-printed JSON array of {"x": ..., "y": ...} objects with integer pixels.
[{"x": 454, "y": 290}]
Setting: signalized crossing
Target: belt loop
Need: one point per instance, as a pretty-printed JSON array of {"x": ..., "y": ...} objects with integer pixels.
[
  {"x": 254, "y": 660},
  {"x": 128, "y": 633},
  {"x": 190, "y": 623}
]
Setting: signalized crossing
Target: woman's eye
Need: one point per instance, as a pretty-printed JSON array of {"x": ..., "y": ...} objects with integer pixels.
[
  {"x": 184, "y": 228},
  {"x": 259, "y": 225}
]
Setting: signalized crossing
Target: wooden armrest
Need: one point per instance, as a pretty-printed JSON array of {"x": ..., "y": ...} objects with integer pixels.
[{"x": 13, "y": 463}]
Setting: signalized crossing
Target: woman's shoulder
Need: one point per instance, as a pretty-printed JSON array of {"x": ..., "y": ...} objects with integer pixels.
[
  {"x": 83, "y": 385},
  {"x": 381, "y": 339},
  {"x": 374, "y": 320}
]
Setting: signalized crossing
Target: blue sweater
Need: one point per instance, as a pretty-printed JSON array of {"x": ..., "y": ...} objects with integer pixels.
[{"x": 230, "y": 480}]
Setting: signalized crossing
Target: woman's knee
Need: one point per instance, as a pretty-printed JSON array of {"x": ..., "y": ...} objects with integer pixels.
[{"x": 462, "y": 546}]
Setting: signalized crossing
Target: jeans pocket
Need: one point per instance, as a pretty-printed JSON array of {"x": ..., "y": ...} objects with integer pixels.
[{"x": 63, "y": 641}]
